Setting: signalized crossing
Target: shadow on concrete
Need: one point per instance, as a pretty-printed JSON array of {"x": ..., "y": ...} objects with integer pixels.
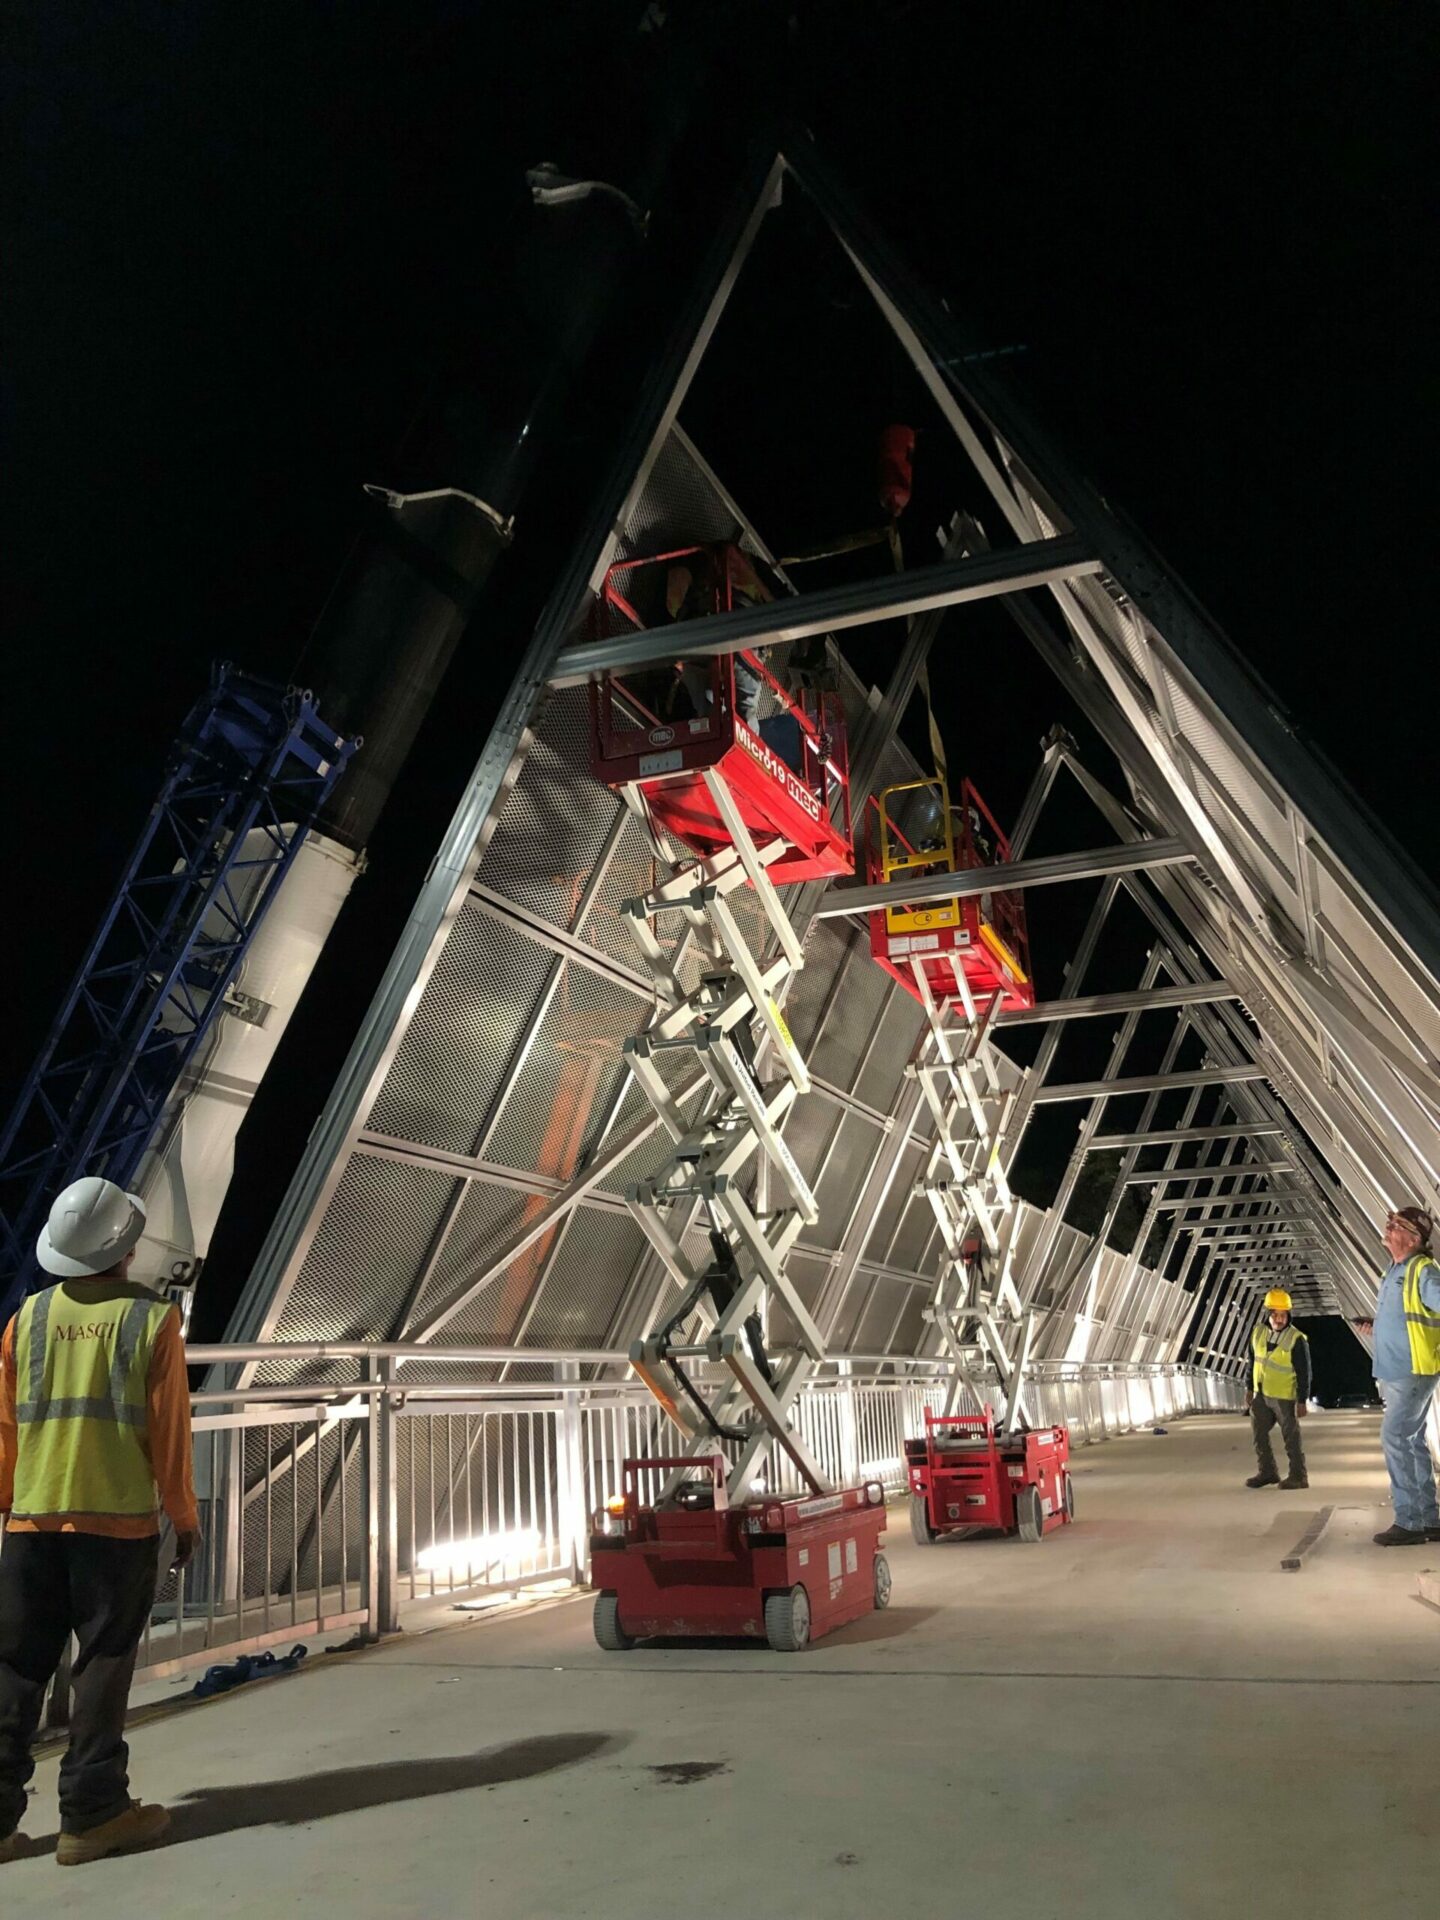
[
  {"x": 320, "y": 1796},
  {"x": 893, "y": 1624}
]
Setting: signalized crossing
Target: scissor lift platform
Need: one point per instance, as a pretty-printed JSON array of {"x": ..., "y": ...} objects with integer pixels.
[
  {"x": 974, "y": 946},
  {"x": 662, "y": 729}
]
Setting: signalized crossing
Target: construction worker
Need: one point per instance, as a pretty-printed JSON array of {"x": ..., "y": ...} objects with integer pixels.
[
  {"x": 1279, "y": 1393},
  {"x": 94, "y": 1415},
  {"x": 1406, "y": 1357}
]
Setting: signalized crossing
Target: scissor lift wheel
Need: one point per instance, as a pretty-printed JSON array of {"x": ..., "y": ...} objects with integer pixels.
[
  {"x": 1029, "y": 1514},
  {"x": 882, "y": 1583},
  {"x": 608, "y": 1631},
  {"x": 787, "y": 1620},
  {"x": 920, "y": 1527}
]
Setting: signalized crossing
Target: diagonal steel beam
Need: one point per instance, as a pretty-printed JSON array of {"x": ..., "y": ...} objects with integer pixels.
[
  {"x": 1162, "y": 1176},
  {"x": 1217, "y": 1076},
  {"x": 1135, "y": 1000},
  {"x": 947, "y": 583},
  {"x": 1162, "y": 1136},
  {"x": 1007, "y": 876}
]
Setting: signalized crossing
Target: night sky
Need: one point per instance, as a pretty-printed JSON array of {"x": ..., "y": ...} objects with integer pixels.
[{"x": 244, "y": 244}]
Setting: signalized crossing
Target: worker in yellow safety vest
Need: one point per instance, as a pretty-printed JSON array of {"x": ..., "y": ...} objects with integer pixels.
[
  {"x": 94, "y": 1421},
  {"x": 1279, "y": 1392},
  {"x": 1406, "y": 1358}
]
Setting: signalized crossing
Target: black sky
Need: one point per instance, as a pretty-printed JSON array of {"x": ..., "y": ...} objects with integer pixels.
[{"x": 242, "y": 243}]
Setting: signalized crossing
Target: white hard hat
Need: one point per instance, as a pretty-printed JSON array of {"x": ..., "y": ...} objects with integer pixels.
[{"x": 92, "y": 1226}]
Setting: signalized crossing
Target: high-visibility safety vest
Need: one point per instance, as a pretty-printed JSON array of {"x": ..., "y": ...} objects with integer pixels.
[
  {"x": 1422, "y": 1326},
  {"x": 81, "y": 1377},
  {"x": 1274, "y": 1370}
]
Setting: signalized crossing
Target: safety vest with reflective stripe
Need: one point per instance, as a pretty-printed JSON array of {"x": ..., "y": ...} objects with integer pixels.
[
  {"x": 1422, "y": 1326},
  {"x": 81, "y": 1376},
  {"x": 1274, "y": 1370}
]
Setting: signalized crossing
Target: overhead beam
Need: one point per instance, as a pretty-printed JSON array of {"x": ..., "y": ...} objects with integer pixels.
[
  {"x": 1166, "y": 1136},
  {"x": 1135, "y": 1000},
  {"x": 1006, "y": 876},
  {"x": 1149, "y": 1083},
  {"x": 1210, "y": 1207},
  {"x": 892, "y": 596},
  {"x": 1161, "y": 1176},
  {"x": 1236, "y": 1242}
]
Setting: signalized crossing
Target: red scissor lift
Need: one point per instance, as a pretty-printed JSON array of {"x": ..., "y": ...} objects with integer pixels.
[
  {"x": 703, "y": 1556},
  {"x": 964, "y": 1475},
  {"x": 971, "y": 951},
  {"x": 787, "y": 1571}
]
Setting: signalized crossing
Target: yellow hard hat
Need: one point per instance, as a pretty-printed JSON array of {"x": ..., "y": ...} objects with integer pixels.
[{"x": 1277, "y": 1301}]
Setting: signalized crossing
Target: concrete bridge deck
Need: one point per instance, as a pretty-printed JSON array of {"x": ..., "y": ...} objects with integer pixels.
[{"x": 1141, "y": 1716}]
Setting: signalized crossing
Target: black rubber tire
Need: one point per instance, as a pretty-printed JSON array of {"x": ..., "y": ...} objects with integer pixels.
[
  {"x": 882, "y": 1583},
  {"x": 787, "y": 1621},
  {"x": 1029, "y": 1515},
  {"x": 921, "y": 1530},
  {"x": 1069, "y": 1498},
  {"x": 608, "y": 1631}
]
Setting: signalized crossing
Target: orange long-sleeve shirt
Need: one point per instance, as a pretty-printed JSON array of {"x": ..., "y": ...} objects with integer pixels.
[{"x": 167, "y": 1442}]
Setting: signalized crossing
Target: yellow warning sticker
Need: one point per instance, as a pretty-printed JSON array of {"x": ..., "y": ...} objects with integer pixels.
[{"x": 779, "y": 1020}]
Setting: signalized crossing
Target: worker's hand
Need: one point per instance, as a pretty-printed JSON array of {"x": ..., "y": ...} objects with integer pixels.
[
  {"x": 1301, "y": 1409},
  {"x": 1249, "y": 1401},
  {"x": 1363, "y": 1326},
  {"x": 185, "y": 1545}
]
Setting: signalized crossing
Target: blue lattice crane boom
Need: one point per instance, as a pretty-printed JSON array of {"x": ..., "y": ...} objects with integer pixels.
[{"x": 252, "y": 766}]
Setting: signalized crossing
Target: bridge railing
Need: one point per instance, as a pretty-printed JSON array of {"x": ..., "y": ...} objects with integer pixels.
[{"x": 395, "y": 1479}]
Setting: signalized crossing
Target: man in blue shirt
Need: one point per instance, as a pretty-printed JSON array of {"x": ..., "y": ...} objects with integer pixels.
[{"x": 1406, "y": 1358}]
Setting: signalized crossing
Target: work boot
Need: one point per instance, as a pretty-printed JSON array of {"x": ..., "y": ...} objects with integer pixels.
[
  {"x": 1293, "y": 1482},
  {"x": 1398, "y": 1536},
  {"x": 1263, "y": 1480},
  {"x": 138, "y": 1826}
]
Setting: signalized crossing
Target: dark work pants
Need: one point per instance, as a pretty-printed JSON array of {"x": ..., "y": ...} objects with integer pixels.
[
  {"x": 1265, "y": 1414},
  {"x": 53, "y": 1585}
]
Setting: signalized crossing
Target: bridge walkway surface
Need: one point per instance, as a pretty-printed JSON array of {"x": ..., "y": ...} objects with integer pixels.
[{"x": 1142, "y": 1715}]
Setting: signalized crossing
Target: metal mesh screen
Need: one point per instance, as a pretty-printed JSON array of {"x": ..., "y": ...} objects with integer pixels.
[
  {"x": 456, "y": 1049},
  {"x": 488, "y": 1216},
  {"x": 574, "y": 1060},
  {"x": 846, "y": 1165},
  {"x": 367, "y": 1251},
  {"x": 585, "y": 1280},
  {"x": 551, "y": 830}
]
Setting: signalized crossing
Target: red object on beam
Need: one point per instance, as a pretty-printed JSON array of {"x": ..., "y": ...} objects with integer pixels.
[{"x": 897, "y": 469}]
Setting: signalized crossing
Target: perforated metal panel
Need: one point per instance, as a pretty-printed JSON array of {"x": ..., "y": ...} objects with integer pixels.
[
  {"x": 487, "y": 1219},
  {"x": 849, "y": 1023},
  {"x": 848, "y": 1161},
  {"x": 552, "y": 827},
  {"x": 358, "y": 1271},
  {"x": 574, "y": 1061},
  {"x": 585, "y": 1281},
  {"x": 457, "y": 1047},
  {"x": 880, "y": 1078}
]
